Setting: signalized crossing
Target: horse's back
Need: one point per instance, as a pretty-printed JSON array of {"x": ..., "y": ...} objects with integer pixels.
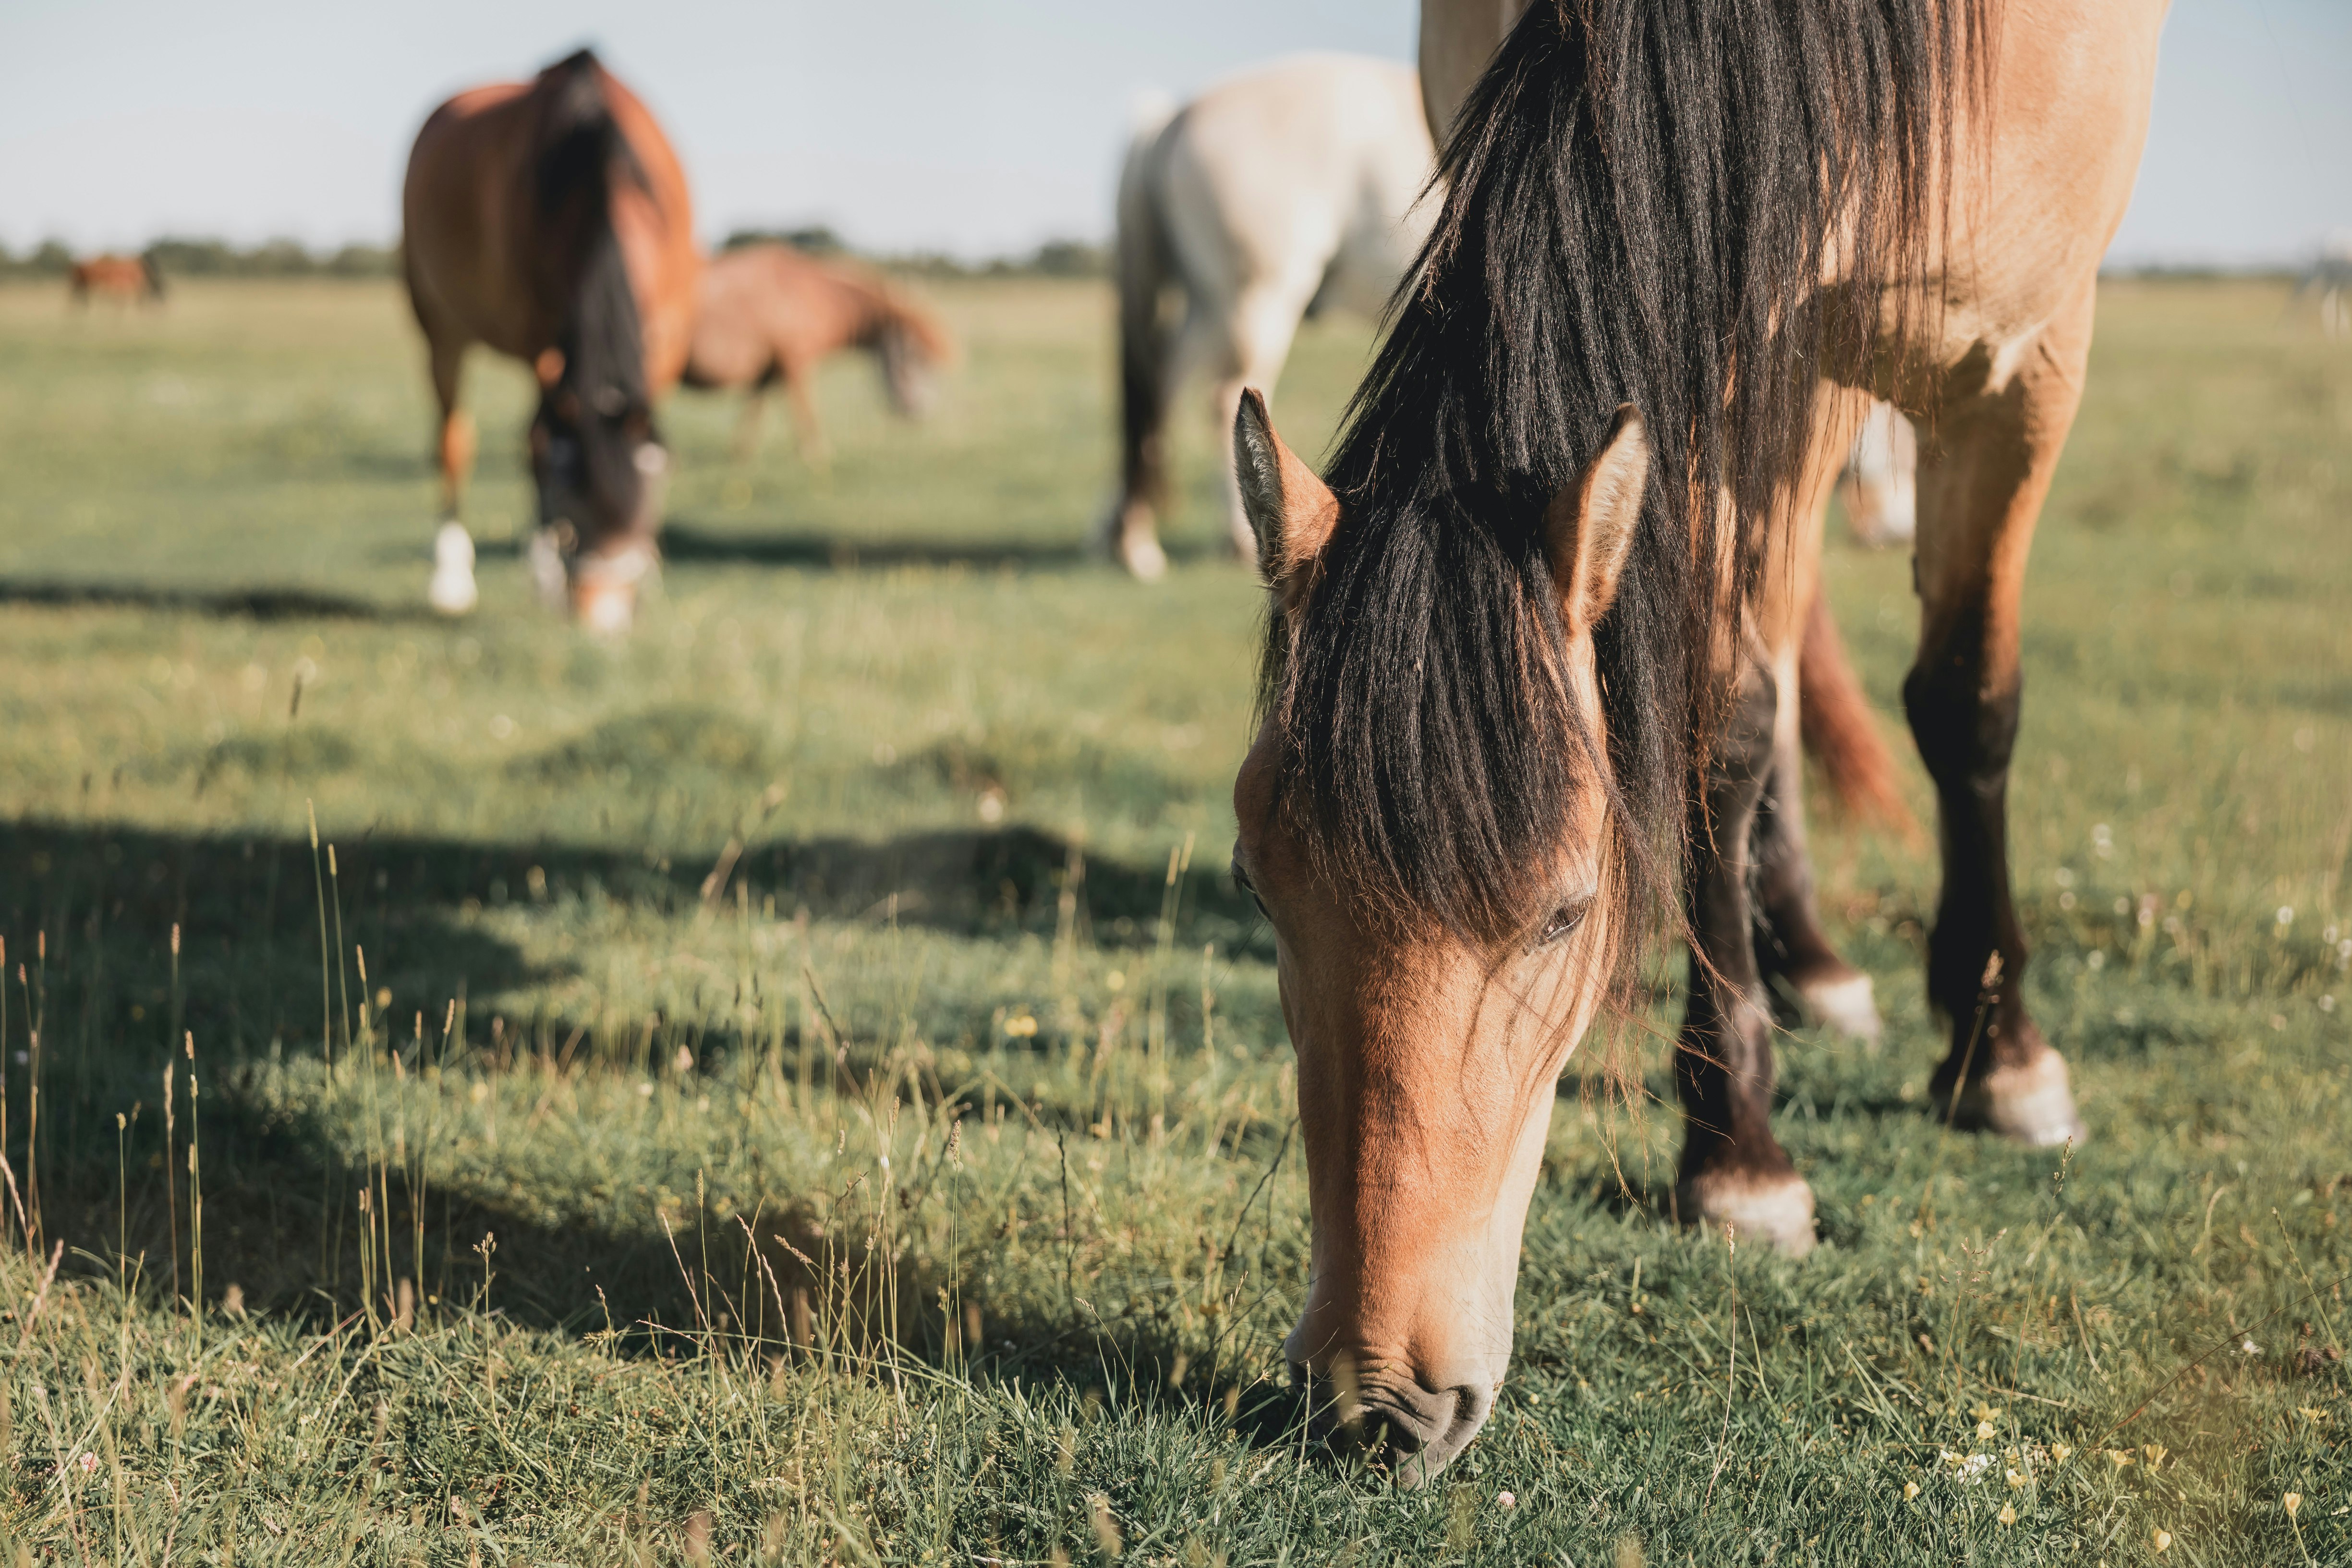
[
  {"x": 468, "y": 222},
  {"x": 1287, "y": 165},
  {"x": 756, "y": 302},
  {"x": 2041, "y": 171}
]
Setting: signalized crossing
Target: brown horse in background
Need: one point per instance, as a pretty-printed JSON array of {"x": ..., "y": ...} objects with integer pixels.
[
  {"x": 773, "y": 313},
  {"x": 550, "y": 220},
  {"x": 124, "y": 278}
]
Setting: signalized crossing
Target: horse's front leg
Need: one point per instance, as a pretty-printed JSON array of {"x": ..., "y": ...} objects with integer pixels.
[
  {"x": 452, "y": 590},
  {"x": 1733, "y": 1170},
  {"x": 1996, "y": 445}
]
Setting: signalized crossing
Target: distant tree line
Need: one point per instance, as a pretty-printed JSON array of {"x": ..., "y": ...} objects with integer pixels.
[
  {"x": 179, "y": 256},
  {"x": 1054, "y": 259},
  {"x": 176, "y": 257}
]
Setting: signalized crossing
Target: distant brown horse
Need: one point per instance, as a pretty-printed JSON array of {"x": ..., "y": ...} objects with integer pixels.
[
  {"x": 771, "y": 313},
  {"x": 550, "y": 220},
  {"x": 124, "y": 278}
]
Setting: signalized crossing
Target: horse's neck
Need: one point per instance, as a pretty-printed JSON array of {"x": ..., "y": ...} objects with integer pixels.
[{"x": 867, "y": 313}]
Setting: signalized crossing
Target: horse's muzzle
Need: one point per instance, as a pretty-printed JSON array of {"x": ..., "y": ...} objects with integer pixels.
[{"x": 1408, "y": 1430}]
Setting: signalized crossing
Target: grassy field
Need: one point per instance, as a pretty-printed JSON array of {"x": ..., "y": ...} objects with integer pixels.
[{"x": 797, "y": 1087}]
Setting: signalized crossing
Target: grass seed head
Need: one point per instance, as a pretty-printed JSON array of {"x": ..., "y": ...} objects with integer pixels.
[{"x": 1106, "y": 1535}]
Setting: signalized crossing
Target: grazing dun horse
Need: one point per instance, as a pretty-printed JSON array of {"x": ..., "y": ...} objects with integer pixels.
[
  {"x": 125, "y": 279},
  {"x": 1263, "y": 201},
  {"x": 549, "y": 220},
  {"x": 772, "y": 313},
  {"x": 1531, "y": 638}
]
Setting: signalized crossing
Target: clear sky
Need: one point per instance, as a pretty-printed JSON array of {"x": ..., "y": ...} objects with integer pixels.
[{"x": 973, "y": 126}]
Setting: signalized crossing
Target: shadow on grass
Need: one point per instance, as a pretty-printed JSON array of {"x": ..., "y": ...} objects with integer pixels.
[
  {"x": 92, "y": 908},
  {"x": 688, "y": 544},
  {"x": 249, "y": 905},
  {"x": 250, "y": 603}
]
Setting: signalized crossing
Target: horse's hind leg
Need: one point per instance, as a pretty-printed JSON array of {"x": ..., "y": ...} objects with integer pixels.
[
  {"x": 1790, "y": 945},
  {"x": 1996, "y": 445},
  {"x": 808, "y": 430},
  {"x": 1261, "y": 322},
  {"x": 747, "y": 427},
  {"x": 452, "y": 591},
  {"x": 1733, "y": 1172}
]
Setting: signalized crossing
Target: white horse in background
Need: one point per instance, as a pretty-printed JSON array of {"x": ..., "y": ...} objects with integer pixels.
[
  {"x": 1881, "y": 484},
  {"x": 1267, "y": 198}
]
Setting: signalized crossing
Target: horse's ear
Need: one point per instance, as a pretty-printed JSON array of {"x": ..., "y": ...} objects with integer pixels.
[
  {"x": 1292, "y": 511},
  {"x": 1589, "y": 526}
]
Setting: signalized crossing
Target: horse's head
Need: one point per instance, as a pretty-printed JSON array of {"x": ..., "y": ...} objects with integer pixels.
[
  {"x": 914, "y": 348},
  {"x": 1431, "y": 1017},
  {"x": 599, "y": 465}
]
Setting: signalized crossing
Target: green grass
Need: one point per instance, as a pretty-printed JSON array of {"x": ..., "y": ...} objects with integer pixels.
[{"x": 927, "y": 1192}]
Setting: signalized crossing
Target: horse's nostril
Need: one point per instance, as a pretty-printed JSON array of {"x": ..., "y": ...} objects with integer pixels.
[{"x": 1410, "y": 1431}]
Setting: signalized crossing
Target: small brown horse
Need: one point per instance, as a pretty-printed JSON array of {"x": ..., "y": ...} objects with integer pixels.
[
  {"x": 123, "y": 278},
  {"x": 550, "y": 220},
  {"x": 771, "y": 313},
  {"x": 1524, "y": 681}
]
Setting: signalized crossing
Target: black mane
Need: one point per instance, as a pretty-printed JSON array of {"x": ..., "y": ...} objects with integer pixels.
[
  {"x": 1638, "y": 198},
  {"x": 581, "y": 152}
]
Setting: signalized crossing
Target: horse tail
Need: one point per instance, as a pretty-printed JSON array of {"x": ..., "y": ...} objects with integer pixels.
[
  {"x": 580, "y": 150},
  {"x": 1834, "y": 717},
  {"x": 1145, "y": 265}
]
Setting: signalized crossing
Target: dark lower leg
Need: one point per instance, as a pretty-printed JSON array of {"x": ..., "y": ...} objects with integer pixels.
[
  {"x": 1790, "y": 943},
  {"x": 1722, "y": 1058},
  {"x": 2000, "y": 1074},
  {"x": 1966, "y": 729}
]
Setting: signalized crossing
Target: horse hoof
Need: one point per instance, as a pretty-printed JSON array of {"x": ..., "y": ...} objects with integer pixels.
[
  {"x": 2032, "y": 1104},
  {"x": 452, "y": 590},
  {"x": 608, "y": 611},
  {"x": 1848, "y": 1006},
  {"x": 1776, "y": 1210},
  {"x": 1142, "y": 558}
]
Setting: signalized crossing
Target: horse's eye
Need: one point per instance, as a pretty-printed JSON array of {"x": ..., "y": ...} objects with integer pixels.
[
  {"x": 1563, "y": 920},
  {"x": 1241, "y": 880}
]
